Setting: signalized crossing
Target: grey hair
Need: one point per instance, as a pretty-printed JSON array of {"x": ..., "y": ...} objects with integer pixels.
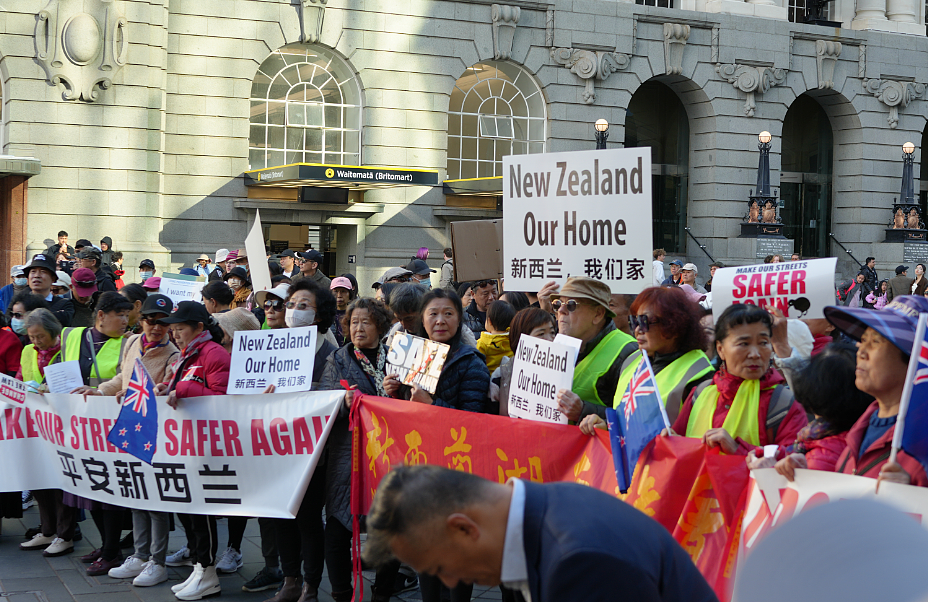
[
  {"x": 45, "y": 319},
  {"x": 410, "y": 497},
  {"x": 406, "y": 298}
]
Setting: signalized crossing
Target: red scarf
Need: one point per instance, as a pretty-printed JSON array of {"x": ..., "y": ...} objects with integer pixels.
[
  {"x": 46, "y": 355},
  {"x": 819, "y": 343}
]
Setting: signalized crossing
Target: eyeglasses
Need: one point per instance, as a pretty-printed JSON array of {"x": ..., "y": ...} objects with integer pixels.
[
  {"x": 275, "y": 304},
  {"x": 482, "y": 283},
  {"x": 643, "y": 322},
  {"x": 301, "y": 305},
  {"x": 571, "y": 306},
  {"x": 153, "y": 321},
  {"x": 17, "y": 315}
]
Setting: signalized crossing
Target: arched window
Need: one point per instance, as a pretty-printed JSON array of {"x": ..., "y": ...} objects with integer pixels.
[
  {"x": 305, "y": 108},
  {"x": 496, "y": 109}
]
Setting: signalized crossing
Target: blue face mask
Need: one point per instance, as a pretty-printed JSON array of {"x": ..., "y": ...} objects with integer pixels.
[
  {"x": 145, "y": 275},
  {"x": 18, "y": 325},
  {"x": 20, "y": 282}
]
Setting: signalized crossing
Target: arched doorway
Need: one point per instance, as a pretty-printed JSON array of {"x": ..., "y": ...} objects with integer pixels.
[
  {"x": 655, "y": 117},
  {"x": 806, "y": 176}
]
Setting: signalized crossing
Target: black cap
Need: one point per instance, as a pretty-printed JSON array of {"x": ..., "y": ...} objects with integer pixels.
[
  {"x": 238, "y": 272},
  {"x": 901, "y": 269},
  {"x": 312, "y": 255},
  {"x": 417, "y": 266},
  {"x": 89, "y": 253},
  {"x": 189, "y": 311},
  {"x": 157, "y": 304},
  {"x": 83, "y": 242},
  {"x": 287, "y": 253},
  {"x": 40, "y": 260},
  {"x": 147, "y": 263}
]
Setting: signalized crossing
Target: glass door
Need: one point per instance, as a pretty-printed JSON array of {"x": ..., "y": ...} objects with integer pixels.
[{"x": 805, "y": 200}]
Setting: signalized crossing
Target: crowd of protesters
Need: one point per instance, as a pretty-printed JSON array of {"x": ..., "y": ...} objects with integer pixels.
[{"x": 824, "y": 391}]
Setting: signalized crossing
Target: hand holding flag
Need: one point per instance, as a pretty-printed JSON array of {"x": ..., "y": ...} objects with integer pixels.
[{"x": 136, "y": 429}]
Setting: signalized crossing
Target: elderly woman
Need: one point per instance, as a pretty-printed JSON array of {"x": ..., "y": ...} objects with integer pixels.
[
  {"x": 273, "y": 302},
  {"x": 99, "y": 351},
  {"x": 746, "y": 404},
  {"x": 462, "y": 385},
  {"x": 44, "y": 331},
  {"x": 310, "y": 304},
  {"x": 154, "y": 347},
  {"x": 238, "y": 281},
  {"x": 886, "y": 340},
  {"x": 666, "y": 325},
  {"x": 533, "y": 322}
]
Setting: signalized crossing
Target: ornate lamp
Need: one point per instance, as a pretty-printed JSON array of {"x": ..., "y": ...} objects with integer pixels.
[
  {"x": 602, "y": 133},
  {"x": 906, "y": 223},
  {"x": 762, "y": 218}
]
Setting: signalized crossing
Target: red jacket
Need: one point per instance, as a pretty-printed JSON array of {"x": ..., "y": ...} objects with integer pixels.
[
  {"x": 823, "y": 453},
  {"x": 877, "y": 454},
  {"x": 11, "y": 350},
  {"x": 728, "y": 386},
  {"x": 205, "y": 372}
]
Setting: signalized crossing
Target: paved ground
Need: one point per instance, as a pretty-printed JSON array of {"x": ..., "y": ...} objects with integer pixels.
[{"x": 30, "y": 577}]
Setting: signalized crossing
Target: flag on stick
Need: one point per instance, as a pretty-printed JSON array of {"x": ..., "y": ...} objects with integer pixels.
[
  {"x": 136, "y": 429},
  {"x": 911, "y": 434}
]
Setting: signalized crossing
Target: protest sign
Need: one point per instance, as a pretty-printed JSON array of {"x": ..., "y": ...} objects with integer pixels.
[
  {"x": 585, "y": 213},
  {"x": 478, "y": 250},
  {"x": 245, "y": 456},
  {"x": 540, "y": 368},
  {"x": 258, "y": 271},
  {"x": 180, "y": 287},
  {"x": 64, "y": 377},
  {"x": 800, "y": 289},
  {"x": 281, "y": 357},
  {"x": 12, "y": 390},
  {"x": 416, "y": 360}
]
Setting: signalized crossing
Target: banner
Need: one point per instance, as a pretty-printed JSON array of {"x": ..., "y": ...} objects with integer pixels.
[
  {"x": 392, "y": 432},
  {"x": 281, "y": 357},
  {"x": 582, "y": 213},
  {"x": 416, "y": 360},
  {"x": 182, "y": 288},
  {"x": 540, "y": 369},
  {"x": 800, "y": 289},
  {"x": 230, "y": 456}
]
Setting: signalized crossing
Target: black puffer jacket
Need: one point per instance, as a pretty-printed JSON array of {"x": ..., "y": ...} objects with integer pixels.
[
  {"x": 342, "y": 365},
  {"x": 464, "y": 381},
  {"x": 473, "y": 319}
]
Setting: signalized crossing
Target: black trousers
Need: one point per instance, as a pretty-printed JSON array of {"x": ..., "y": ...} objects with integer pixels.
[
  {"x": 304, "y": 536},
  {"x": 109, "y": 524},
  {"x": 201, "y": 533},
  {"x": 431, "y": 587},
  {"x": 55, "y": 516}
]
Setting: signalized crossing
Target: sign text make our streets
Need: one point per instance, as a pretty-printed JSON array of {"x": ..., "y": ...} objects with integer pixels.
[{"x": 585, "y": 213}]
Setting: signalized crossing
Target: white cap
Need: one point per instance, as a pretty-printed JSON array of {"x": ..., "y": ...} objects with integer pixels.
[
  {"x": 280, "y": 291},
  {"x": 17, "y": 270},
  {"x": 690, "y": 266},
  {"x": 221, "y": 255},
  {"x": 63, "y": 279}
]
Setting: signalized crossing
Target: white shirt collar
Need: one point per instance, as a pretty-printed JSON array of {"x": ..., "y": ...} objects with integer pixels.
[{"x": 514, "y": 573}]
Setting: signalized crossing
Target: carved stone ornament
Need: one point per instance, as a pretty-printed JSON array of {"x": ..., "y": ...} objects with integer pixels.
[
  {"x": 505, "y": 19},
  {"x": 751, "y": 80},
  {"x": 894, "y": 95},
  {"x": 826, "y": 56},
  {"x": 82, "y": 45},
  {"x": 675, "y": 37},
  {"x": 590, "y": 65},
  {"x": 311, "y": 15}
]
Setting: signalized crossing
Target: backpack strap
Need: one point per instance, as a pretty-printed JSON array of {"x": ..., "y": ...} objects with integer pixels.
[{"x": 780, "y": 402}]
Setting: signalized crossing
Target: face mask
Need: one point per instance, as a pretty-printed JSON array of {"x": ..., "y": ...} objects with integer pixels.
[
  {"x": 235, "y": 283},
  {"x": 300, "y": 317},
  {"x": 18, "y": 325},
  {"x": 20, "y": 282},
  {"x": 146, "y": 275},
  {"x": 66, "y": 295}
]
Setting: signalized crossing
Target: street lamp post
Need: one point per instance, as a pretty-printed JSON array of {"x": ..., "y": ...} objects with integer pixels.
[
  {"x": 907, "y": 197},
  {"x": 601, "y": 128},
  {"x": 763, "y": 164},
  {"x": 906, "y": 223}
]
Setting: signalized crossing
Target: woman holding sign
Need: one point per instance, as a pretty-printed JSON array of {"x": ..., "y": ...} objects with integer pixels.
[{"x": 747, "y": 403}]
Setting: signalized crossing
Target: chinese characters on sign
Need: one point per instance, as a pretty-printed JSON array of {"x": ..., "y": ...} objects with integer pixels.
[
  {"x": 283, "y": 358},
  {"x": 540, "y": 368}
]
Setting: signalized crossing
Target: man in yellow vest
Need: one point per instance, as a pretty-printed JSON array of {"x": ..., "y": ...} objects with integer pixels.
[{"x": 583, "y": 312}]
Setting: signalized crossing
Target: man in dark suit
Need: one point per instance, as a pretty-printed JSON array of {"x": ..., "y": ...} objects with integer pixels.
[
  {"x": 900, "y": 285},
  {"x": 553, "y": 543}
]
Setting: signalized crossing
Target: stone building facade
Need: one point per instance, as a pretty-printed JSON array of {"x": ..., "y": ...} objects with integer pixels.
[{"x": 152, "y": 119}]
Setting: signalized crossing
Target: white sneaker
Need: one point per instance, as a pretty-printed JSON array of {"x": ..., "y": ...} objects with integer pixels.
[
  {"x": 205, "y": 584},
  {"x": 230, "y": 561},
  {"x": 59, "y": 547},
  {"x": 181, "y": 557},
  {"x": 38, "y": 542},
  {"x": 152, "y": 574},
  {"x": 197, "y": 569},
  {"x": 131, "y": 567}
]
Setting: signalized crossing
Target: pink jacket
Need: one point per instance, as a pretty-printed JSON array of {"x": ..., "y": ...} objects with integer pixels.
[{"x": 205, "y": 372}]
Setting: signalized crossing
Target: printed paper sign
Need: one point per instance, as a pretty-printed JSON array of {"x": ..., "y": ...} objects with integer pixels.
[
  {"x": 12, "y": 390},
  {"x": 281, "y": 357},
  {"x": 800, "y": 289},
  {"x": 245, "y": 456},
  {"x": 417, "y": 360},
  {"x": 64, "y": 377},
  {"x": 182, "y": 289},
  {"x": 540, "y": 369},
  {"x": 584, "y": 213}
]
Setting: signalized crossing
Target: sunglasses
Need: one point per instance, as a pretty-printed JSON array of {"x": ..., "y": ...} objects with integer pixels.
[
  {"x": 153, "y": 321},
  {"x": 643, "y": 322},
  {"x": 85, "y": 283},
  {"x": 276, "y": 305},
  {"x": 17, "y": 315},
  {"x": 571, "y": 306},
  {"x": 483, "y": 283}
]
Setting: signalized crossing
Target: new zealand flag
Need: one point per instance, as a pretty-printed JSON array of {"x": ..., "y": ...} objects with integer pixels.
[
  {"x": 639, "y": 418},
  {"x": 136, "y": 429}
]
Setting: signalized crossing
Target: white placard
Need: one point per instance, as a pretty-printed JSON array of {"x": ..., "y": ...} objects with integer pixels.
[
  {"x": 583, "y": 213},
  {"x": 12, "y": 390},
  {"x": 416, "y": 360},
  {"x": 181, "y": 290},
  {"x": 64, "y": 377},
  {"x": 800, "y": 289},
  {"x": 258, "y": 271},
  {"x": 282, "y": 357},
  {"x": 540, "y": 368},
  {"x": 572, "y": 342}
]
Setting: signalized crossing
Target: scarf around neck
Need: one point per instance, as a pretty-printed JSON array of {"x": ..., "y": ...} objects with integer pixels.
[
  {"x": 145, "y": 345},
  {"x": 375, "y": 373},
  {"x": 45, "y": 356},
  {"x": 195, "y": 345}
]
